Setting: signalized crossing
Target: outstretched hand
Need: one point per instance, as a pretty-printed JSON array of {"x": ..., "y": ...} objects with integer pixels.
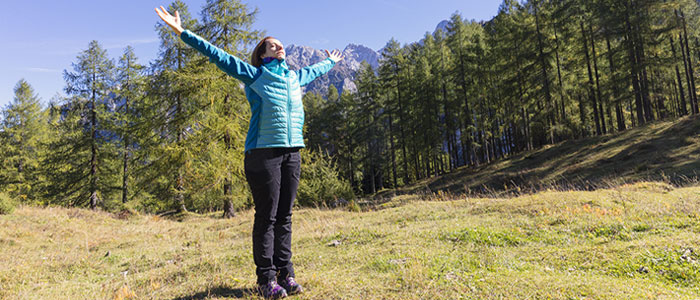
[
  {"x": 172, "y": 21},
  {"x": 336, "y": 55}
]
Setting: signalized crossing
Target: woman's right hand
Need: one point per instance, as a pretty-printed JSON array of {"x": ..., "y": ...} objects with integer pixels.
[{"x": 173, "y": 21}]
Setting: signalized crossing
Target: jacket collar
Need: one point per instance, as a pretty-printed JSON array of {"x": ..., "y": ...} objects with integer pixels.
[
  {"x": 276, "y": 62},
  {"x": 278, "y": 66}
]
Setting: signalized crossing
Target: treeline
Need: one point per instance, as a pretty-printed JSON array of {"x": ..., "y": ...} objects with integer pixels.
[
  {"x": 540, "y": 72},
  {"x": 167, "y": 136}
]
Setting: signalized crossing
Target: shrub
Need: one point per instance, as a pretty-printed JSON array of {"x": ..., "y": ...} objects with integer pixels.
[
  {"x": 320, "y": 184},
  {"x": 7, "y": 204}
]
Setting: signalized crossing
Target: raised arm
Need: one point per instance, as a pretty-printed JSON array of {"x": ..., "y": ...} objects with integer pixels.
[
  {"x": 228, "y": 63},
  {"x": 308, "y": 74}
]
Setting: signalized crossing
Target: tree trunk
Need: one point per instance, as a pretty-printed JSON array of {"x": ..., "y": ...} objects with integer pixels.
[
  {"x": 372, "y": 187},
  {"x": 179, "y": 180},
  {"x": 597, "y": 81},
  {"x": 561, "y": 85},
  {"x": 401, "y": 131},
  {"x": 658, "y": 100},
  {"x": 582, "y": 115},
  {"x": 691, "y": 73},
  {"x": 615, "y": 87},
  {"x": 125, "y": 167},
  {"x": 466, "y": 133},
  {"x": 591, "y": 92},
  {"x": 93, "y": 146},
  {"x": 545, "y": 77},
  {"x": 393, "y": 152},
  {"x": 644, "y": 79},
  {"x": 634, "y": 64},
  {"x": 683, "y": 110},
  {"x": 229, "y": 211}
]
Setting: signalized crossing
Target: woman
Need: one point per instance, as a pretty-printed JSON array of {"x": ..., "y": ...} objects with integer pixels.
[{"x": 272, "y": 162}]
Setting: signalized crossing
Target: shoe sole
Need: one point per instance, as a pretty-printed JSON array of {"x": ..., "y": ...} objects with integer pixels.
[{"x": 295, "y": 291}]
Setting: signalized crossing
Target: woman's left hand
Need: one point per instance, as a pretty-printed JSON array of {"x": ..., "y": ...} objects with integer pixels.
[{"x": 336, "y": 55}]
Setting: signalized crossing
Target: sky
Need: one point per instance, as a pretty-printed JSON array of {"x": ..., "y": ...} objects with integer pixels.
[{"x": 41, "y": 39}]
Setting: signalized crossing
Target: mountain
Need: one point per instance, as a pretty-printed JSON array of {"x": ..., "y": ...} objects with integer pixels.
[
  {"x": 442, "y": 25},
  {"x": 342, "y": 76}
]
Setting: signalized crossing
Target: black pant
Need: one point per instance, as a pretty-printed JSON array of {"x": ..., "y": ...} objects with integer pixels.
[{"x": 273, "y": 176}]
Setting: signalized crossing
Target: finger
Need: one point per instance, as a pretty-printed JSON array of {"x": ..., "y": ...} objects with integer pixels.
[
  {"x": 327, "y": 53},
  {"x": 177, "y": 16},
  {"x": 160, "y": 14},
  {"x": 165, "y": 12}
]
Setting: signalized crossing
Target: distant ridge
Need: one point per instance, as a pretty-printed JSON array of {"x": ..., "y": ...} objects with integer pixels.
[{"x": 342, "y": 76}]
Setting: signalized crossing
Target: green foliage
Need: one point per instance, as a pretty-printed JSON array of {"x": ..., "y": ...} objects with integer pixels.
[
  {"x": 320, "y": 184},
  {"x": 7, "y": 204},
  {"x": 198, "y": 116},
  {"x": 82, "y": 164},
  {"x": 23, "y": 130},
  {"x": 538, "y": 73}
]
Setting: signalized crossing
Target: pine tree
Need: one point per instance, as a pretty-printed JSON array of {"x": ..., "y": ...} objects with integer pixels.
[
  {"x": 24, "y": 130},
  {"x": 173, "y": 110},
  {"x": 129, "y": 89},
  {"x": 81, "y": 165},
  {"x": 227, "y": 24}
]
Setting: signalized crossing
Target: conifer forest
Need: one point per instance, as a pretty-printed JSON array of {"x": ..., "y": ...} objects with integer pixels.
[{"x": 168, "y": 134}]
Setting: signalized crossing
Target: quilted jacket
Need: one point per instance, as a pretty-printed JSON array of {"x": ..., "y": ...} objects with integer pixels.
[{"x": 273, "y": 91}]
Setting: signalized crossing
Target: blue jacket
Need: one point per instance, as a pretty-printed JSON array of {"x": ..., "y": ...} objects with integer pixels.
[{"x": 273, "y": 91}]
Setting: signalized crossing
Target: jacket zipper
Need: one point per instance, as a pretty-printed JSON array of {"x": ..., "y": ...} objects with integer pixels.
[{"x": 289, "y": 114}]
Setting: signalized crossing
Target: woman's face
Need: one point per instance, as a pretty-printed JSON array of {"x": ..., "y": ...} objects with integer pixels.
[{"x": 274, "y": 48}]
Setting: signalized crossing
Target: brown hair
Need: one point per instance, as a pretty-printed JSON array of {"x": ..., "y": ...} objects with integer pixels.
[{"x": 255, "y": 58}]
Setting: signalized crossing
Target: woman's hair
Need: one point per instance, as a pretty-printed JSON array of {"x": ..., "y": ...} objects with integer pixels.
[{"x": 255, "y": 58}]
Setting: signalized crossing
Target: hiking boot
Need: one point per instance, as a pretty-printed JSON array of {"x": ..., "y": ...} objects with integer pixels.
[
  {"x": 291, "y": 286},
  {"x": 272, "y": 290}
]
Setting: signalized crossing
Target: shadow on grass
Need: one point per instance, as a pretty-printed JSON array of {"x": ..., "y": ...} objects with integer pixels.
[
  {"x": 220, "y": 292},
  {"x": 661, "y": 150}
]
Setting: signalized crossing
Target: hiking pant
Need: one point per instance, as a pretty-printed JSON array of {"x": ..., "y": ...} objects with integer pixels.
[{"x": 273, "y": 176}]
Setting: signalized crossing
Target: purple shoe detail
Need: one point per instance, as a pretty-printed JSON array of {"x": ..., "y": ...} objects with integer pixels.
[
  {"x": 272, "y": 290},
  {"x": 291, "y": 286}
]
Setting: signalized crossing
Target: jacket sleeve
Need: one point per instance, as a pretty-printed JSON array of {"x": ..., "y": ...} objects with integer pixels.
[
  {"x": 308, "y": 74},
  {"x": 228, "y": 63}
]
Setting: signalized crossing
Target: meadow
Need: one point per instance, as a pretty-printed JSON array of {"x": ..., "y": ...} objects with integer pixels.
[{"x": 634, "y": 241}]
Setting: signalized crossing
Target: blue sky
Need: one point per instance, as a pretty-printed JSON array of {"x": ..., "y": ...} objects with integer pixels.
[{"x": 43, "y": 38}]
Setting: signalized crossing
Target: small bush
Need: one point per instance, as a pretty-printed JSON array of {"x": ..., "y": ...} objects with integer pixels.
[
  {"x": 320, "y": 184},
  {"x": 7, "y": 204}
]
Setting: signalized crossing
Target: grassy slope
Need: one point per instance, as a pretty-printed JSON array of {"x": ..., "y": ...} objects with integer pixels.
[
  {"x": 629, "y": 242},
  {"x": 666, "y": 150}
]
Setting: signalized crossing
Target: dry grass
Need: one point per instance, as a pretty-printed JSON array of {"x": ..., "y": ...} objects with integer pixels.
[{"x": 637, "y": 241}]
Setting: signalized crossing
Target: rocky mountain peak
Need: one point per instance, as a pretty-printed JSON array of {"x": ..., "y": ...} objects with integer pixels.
[{"x": 342, "y": 76}]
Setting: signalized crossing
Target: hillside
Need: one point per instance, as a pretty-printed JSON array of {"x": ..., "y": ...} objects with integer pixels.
[
  {"x": 666, "y": 150},
  {"x": 635, "y": 241}
]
